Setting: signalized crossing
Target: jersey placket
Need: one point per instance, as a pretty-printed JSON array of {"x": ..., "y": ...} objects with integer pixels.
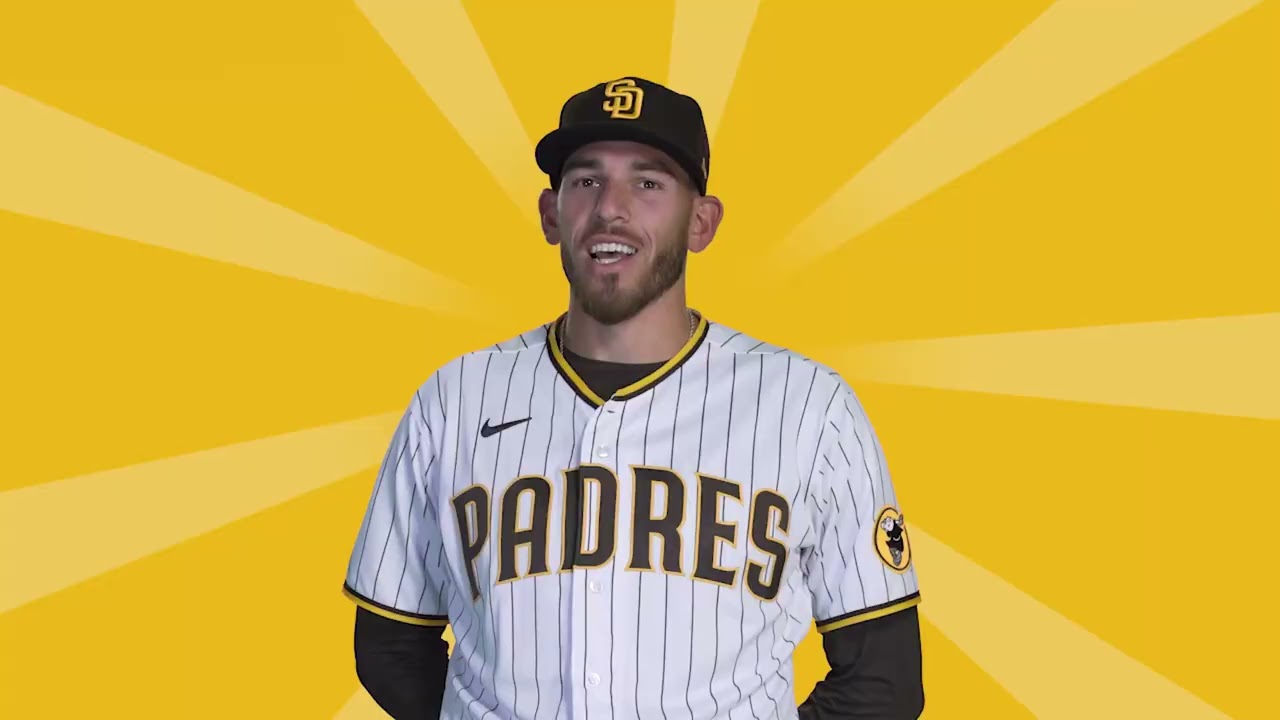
[{"x": 591, "y": 663}]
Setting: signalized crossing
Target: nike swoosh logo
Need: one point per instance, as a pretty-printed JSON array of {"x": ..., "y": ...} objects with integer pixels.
[{"x": 487, "y": 430}]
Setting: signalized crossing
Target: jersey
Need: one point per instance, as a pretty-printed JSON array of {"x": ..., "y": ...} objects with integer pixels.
[{"x": 657, "y": 553}]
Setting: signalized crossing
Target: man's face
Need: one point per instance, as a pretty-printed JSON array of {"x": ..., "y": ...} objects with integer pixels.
[{"x": 624, "y": 213}]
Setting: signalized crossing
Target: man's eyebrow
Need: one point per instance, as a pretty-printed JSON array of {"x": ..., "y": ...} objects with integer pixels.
[
  {"x": 655, "y": 166},
  {"x": 579, "y": 163}
]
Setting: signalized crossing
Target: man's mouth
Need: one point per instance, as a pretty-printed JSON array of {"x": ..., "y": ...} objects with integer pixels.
[{"x": 607, "y": 253}]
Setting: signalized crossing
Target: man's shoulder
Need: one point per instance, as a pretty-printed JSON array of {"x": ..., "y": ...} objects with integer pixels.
[
  {"x": 534, "y": 338},
  {"x": 726, "y": 339},
  {"x": 448, "y": 373}
]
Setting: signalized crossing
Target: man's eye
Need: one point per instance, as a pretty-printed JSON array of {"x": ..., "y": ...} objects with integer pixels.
[
  {"x": 584, "y": 182},
  {"x": 649, "y": 184}
]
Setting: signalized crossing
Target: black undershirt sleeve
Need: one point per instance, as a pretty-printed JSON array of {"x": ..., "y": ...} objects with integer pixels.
[
  {"x": 403, "y": 666},
  {"x": 875, "y": 671}
]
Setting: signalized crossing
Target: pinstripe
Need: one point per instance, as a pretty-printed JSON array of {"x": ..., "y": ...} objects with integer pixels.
[
  {"x": 777, "y": 486},
  {"x": 702, "y": 425},
  {"x": 871, "y": 478},
  {"x": 819, "y": 445},
  {"x": 497, "y": 462},
  {"x": 800, "y": 426},
  {"x": 666, "y": 588},
  {"x": 387, "y": 540},
  {"x": 728, "y": 443},
  {"x": 426, "y": 550},
  {"x": 586, "y": 640},
  {"x": 644, "y": 458},
  {"x": 559, "y": 580},
  {"x": 755, "y": 431},
  {"x": 613, "y": 585},
  {"x": 475, "y": 446},
  {"x": 524, "y": 444},
  {"x": 471, "y": 625},
  {"x": 408, "y": 535}
]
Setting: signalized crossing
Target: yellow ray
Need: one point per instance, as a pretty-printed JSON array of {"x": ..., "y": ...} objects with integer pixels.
[
  {"x": 1054, "y": 667},
  {"x": 59, "y": 533},
  {"x": 438, "y": 44},
  {"x": 1221, "y": 365},
  {"x": 1075, "y": 51},
  {"x": 706, "y": 47},
  {"x": 361, "y": 707},
  {"x": 61, "y": 168}
]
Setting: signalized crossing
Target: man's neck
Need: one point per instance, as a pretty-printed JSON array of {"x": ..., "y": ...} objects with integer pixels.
[{"x": 655, "y": 334}]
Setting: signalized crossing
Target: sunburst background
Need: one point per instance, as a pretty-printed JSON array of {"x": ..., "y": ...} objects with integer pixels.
[{"x": 1039, "y": 237}]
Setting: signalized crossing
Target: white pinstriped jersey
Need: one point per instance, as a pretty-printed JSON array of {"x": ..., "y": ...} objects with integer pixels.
[{"x": 727, "y": 501}]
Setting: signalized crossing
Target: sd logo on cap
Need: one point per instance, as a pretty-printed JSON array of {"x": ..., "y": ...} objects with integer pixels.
[{"x": 623, "y": 99}]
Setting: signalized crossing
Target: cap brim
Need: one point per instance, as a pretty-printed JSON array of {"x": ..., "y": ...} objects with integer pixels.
[{"x": 556, "y": 147}]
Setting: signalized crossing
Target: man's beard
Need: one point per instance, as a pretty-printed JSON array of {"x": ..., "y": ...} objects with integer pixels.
[{"x": 609, "y": 304}]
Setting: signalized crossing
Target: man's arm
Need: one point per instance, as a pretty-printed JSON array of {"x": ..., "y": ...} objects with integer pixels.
[
  {"x": 395, "y": 572},
  {"x": 875, "y": 672},
  {"x": 859, "y": 572},
  {"x": 402, "y": 665}
]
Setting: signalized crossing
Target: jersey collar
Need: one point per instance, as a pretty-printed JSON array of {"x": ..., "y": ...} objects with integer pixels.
[{"x": 643, "y": 384}]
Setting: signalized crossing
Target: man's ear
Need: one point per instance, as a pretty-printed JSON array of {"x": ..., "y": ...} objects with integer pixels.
[
  {"x": 705, "y": 219},
  {"x": 549, "y": 216}
]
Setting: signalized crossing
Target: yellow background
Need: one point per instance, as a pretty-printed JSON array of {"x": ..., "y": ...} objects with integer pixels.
[{"x": 1039, "y": 238}]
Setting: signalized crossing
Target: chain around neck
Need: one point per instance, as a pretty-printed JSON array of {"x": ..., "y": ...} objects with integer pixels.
[{"x": 693, "y": 326}]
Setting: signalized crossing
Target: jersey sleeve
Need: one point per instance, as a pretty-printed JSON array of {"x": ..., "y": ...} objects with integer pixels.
[
  {"x": 395, "y": 568},
  {"x": 860, "y": 564}
]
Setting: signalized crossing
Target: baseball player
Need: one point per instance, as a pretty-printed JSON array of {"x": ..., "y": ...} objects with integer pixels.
[{"x": 633, "y": 511}]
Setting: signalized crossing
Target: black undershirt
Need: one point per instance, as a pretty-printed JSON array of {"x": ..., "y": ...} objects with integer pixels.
[
  {"x": 606, "y": 378},
  {"x": 875, "y": 665}
]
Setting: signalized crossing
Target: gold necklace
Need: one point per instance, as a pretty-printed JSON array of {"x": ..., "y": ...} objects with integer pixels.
[{"x": 693, "y": 326}]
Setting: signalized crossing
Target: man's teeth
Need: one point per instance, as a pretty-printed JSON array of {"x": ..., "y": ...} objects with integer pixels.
[
  {"x": 610, "y": 252},
  {"x": 612, "y": 247}
]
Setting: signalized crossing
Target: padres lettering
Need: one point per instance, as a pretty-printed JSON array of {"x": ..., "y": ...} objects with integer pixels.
[
  {"x": 769, "y": 515},
  {"x": 623, "y": 99}
]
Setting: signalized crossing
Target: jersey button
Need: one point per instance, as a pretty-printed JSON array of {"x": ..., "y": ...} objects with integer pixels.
[
  {"x": 602, "y": 451},
  {"x": 594, "y": 586},
  {"x": 593, "y": 679}
]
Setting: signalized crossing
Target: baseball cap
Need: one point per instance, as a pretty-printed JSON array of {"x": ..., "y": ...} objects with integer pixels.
[{"x": 635, "y": 109}]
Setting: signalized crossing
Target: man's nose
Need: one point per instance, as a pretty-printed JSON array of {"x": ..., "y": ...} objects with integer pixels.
[{"x": 614, "y": 202}]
